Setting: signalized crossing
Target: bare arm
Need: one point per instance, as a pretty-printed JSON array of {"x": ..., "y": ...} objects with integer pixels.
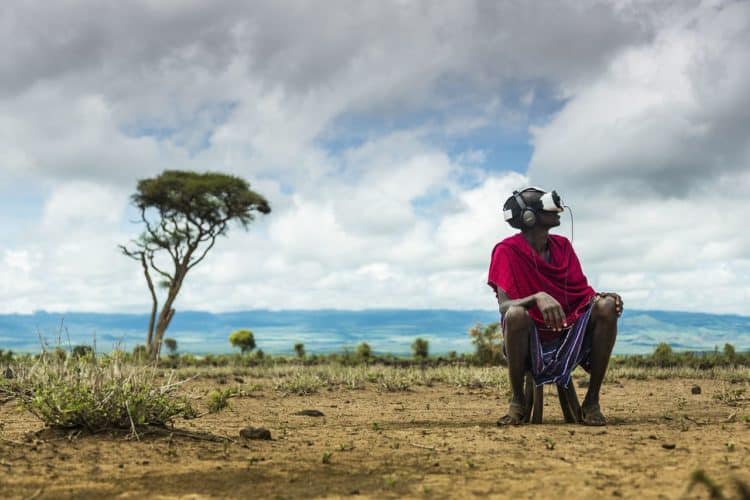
[
  {"x": 506, "y": 303},
  {"x": 552, "y": 311}
]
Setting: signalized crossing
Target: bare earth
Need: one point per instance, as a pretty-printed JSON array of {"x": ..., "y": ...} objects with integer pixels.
[{"x": 438, "y": 441}]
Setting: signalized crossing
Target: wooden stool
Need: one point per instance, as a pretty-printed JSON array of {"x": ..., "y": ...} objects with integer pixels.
[{"x": 535, "y": 402}]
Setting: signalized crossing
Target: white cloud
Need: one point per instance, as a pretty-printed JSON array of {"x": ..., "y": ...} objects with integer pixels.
[
  {"x": 359, "y": 128},
  {"x": 664, "y": 116},
  {"x": 83, "y": 203}
]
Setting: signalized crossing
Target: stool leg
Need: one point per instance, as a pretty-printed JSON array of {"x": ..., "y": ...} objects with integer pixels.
[
  {"x": 562, "y": 394},
  {"x": 536, "y": 418},
  {"x": 575, "y": 407},
  {"x": 529, "y": 395}
]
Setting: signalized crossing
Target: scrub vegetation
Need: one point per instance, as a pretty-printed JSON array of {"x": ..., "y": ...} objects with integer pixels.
[
  {"x": 359, "y": 422},
  {"x": 76, "y": 389},
  {"x": 94, "y": 393}
]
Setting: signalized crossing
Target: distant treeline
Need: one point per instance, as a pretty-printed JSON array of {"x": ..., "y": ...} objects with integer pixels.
[
  {"x": 486, "y": 339},
  {"x": 664, "y": 357}
]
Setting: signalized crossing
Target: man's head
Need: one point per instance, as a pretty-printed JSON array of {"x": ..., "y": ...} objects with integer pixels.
[{"x": 532, "y": 207}]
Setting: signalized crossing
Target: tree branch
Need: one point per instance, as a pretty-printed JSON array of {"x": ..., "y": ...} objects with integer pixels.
[
  {"x": 203, "y": 255},
  {"x": 155, "y": 268},
  {"x": 212, "y": 237},
  {"x": 158, "y": 240},
  {"x": 130, "y": 253}
]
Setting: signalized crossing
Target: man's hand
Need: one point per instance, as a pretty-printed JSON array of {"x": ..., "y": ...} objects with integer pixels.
[
  {"x": 618, "y": 300},
  {"x": 552, "y": 311}
]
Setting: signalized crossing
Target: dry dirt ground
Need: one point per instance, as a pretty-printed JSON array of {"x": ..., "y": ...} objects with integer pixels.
[{"x": 438, "y": 441}]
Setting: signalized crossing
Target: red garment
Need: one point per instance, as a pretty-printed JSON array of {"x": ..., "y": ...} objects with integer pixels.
[{"x": 517, "y": 269}]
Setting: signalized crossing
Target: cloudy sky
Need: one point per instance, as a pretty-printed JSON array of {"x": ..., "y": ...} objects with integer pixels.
[{"x": 386, "y": 136}]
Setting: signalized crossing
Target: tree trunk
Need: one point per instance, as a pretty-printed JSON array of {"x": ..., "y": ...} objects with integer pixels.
[
  {"x": 154, "y": 302},
  {"x": 166, "y": 314},
  {"x": 161, "y": 327}
]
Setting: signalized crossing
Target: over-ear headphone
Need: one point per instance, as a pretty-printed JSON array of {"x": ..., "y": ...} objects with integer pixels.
[
  {"x": 528, "y": 214},
  {"x": 520, "y": 214}
]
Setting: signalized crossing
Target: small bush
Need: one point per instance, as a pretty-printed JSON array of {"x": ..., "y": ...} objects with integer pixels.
[
  {"x": 397, "y": 380},
  {"x": 420, "y": 348},
  {"x": 488, "y": 343},
  {"x": 219, "y": 399},
  {"x": 729, "y": 353},
  {"x": 364, "y": 352},
  {"x": 663, "y": 355},
  {"x": 299, "y": 349},
  {"x": 171, "y": 345},
  {"x": 97, "y": 394},
  {"x": 244, "y": 339},
  {"x": 140, "y": 353},
  {"x": 80, "y": 351},
  {"x": 6, "y": 356},
  {"x": 300, "y": 383}
]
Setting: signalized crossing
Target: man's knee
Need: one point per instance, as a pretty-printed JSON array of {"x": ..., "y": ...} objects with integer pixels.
[
  {"x": 604, "y": 309},
  {"x": 516, "y": 319}
]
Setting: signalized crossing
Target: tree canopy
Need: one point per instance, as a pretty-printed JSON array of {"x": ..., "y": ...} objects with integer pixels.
[{"x": 244, "y": 339}]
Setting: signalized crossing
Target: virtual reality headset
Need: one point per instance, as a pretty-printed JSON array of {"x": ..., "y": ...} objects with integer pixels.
[{"x": 526, "y": 212}]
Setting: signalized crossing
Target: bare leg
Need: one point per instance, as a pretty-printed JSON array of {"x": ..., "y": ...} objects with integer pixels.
[
  {"x": 603, "y": 330},
  {"x": 517, "y": 324}
]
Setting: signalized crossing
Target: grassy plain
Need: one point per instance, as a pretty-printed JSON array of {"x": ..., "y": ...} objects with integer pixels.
[{"x": 394, "y": 432}]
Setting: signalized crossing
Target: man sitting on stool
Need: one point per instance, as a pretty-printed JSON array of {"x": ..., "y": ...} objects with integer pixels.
[{"x": 552, "y": 320}]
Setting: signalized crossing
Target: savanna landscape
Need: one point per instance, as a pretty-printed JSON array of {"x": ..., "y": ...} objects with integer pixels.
[
  {"x": 334, "y": 180},
  {"x": 79, "y": 426}
]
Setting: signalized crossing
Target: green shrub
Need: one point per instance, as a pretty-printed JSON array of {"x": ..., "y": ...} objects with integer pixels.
[
  {"x": 244, "y": 339},
  {"x": 299, "y": 349},
  {"x": 420, "y": 348},
  {"x": 299, "y": 382},
  {"x": 364, "y": 352},
  {"x": 487, "y": 341},
  {"x": 188, "y": 359},
  {"x": 171, "y": 345},
  {"x": 663, "y": 355},
  {"x": 140, "y": 353},
  {"x": 729, "y": 353},
  {"x": 219, "y": 399},
  {"x": 97, "y": 394},
  {"x": 80, "y": 351}
]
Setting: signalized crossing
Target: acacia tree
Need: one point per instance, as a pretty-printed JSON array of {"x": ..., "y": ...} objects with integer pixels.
[
  {"x": 183, "y": 214},
  {"x": 244, "y": 339}
]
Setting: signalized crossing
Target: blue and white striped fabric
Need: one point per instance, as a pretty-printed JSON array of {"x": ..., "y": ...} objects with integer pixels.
[{"x": 555, "y": 360}]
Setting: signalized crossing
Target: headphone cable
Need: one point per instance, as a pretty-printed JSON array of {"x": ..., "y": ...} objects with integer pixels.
[
  {"x": 572, "y": 235},
  {"x": 572, "y": 232}
]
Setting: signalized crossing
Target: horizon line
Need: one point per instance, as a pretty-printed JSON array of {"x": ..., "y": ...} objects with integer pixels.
[{"x": 338, "y": 310}]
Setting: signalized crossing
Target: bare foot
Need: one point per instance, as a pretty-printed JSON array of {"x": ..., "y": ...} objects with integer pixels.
[
  {"x": 515, "y": 415},
  {"x": 591, "y": 414}
]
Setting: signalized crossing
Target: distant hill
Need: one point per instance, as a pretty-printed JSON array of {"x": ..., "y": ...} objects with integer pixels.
[{"x": 390, "y": 330}]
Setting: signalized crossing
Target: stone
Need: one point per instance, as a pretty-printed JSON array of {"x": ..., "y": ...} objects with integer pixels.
[
  {"x": 310, "y": 413},
  {"x": 255, "y": 433}
]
